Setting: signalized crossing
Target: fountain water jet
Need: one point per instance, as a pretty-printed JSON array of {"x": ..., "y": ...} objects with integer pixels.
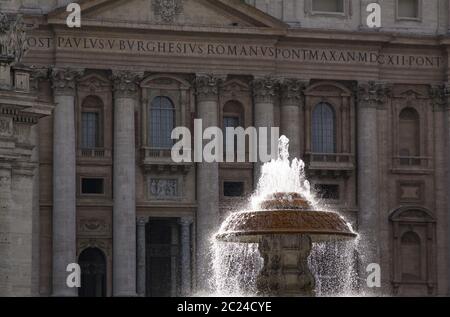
[{"x": 284, "y": 221}]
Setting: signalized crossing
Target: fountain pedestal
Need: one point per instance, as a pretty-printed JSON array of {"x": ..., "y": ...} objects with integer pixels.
[{"x": 285, "y": 271}]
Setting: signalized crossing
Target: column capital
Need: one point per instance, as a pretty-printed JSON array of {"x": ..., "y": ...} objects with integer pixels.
[
  {"x": 37, "y": 74},
  {"x": 292, "y": 92},
  {"x": 186, "y": 221},
  {"x": 440, "y": 96},
  {"x": 207, "y": 86},
  {"x": 141, "y": 221},
  {"x": 64, "y": 80},
  {"x": 125, "y": 83},
  {"x": 372, "y": 94},
  {"x": 265, "y": 89}
]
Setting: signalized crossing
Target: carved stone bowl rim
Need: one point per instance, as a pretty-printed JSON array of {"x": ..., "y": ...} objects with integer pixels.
[{"x": 236, "y": 232}]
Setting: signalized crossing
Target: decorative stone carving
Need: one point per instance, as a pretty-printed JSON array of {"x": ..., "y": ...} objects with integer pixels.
[
  {"x": 6, "y": 127},
  {"x": 163, "y": 188},
  {"x": 167, "y": 10},
  {"x": 64, "y": 80},
  {"x": 22, "y": 132},
  {"x": 37, "y": 74},
  {"x": 125, "y": 83},
  {"x": 372, "y": 94},
  {"x": 285, "y": 271},
  {"x": 4, "y": 181},
  {"x": 4, "y": 238},
  {"x": 94, "y": 84},
  {"x": 265, "y": 89},
  {"x": 234, "y": 89},
  {"x": 207, "y": 87},
  {"x": 440, "y": 97},
  {"x": 101, "y": 244},
  {"x": 12, "y": 38},
  {"x": 292, "y": 91},
  {"x": 93, "y": 226}
]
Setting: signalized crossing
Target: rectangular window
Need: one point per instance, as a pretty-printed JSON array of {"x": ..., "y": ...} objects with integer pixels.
[
  {"x": 408, "y": 9},
  {"x": 90, "y": 130},
  {"x": 233, "y": 189},
  {"x": 92, "y": 186},
  {"x": 327, "y": 191},
  {"x": 332, "y": 6}
]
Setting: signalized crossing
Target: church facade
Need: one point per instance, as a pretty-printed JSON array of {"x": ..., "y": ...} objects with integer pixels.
[{"x": 86, "y": 115}]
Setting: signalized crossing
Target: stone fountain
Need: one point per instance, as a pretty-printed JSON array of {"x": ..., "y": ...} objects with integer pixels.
[{"x": 284, "y": 222}]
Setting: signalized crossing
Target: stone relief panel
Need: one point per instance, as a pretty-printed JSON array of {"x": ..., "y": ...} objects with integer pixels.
[
  {"x": 410, "y": 192},
  {"x": 6, "y": 127},
  {"x": 167, "y": 10},
  {"x": 163, "y": 188},
  {"x": 22, "y": 133},
  {"x": 93, "y": 226}
]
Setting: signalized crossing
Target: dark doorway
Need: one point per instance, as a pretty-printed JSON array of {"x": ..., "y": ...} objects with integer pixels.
[
  {"x": 162, "y": 258},
  {"x": 93, "y": 273}
]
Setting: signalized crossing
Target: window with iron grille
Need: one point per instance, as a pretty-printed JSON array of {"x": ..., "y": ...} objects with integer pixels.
[
  {"x": 90, "y": 130},
  {"x": 323, "y": 129},
  {"x": 162, "y": 122}
]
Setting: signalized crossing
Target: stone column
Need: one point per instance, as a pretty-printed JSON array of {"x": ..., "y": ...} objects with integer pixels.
[
  {"x": 291, "y": 103},
  {"x": 36, "y": 75},
  {"x": 6, "y": 267},
  {"x": 185, "y": 224},
  {"x": 443, "y": 99},
  {"x": 264, "y": 94},
  {"x": 370, "y": 97},
  {"x": 141, "y": 248},
  {"x": 64, "y": 179},
  {"x": 124, "y": 173},
  {"x": 447, "y": 92},
  {"x": 207, "y": 87}
]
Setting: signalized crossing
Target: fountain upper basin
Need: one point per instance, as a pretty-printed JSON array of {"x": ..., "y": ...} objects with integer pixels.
[{"x": 284, "y": 214}]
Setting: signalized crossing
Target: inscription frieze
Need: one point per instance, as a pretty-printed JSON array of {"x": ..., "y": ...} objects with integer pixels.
[{"x": 235, "y": 50}]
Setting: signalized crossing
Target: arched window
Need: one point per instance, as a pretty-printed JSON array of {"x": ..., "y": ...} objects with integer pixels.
[
  {"x": 410, "y": 256},
  {"x": 409, "y": 133},
  {"x": 161, "y": 122},
  {"x": 93, "y": 273},
  {"x": 91, "y": 123},
  {"x": 323, "y": 129}
]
